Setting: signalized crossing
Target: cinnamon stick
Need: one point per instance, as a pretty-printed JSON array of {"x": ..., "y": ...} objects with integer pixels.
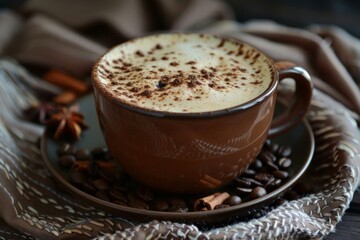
[
  {"x": 65, "y": 98},
  {"x": 66, "y": 81},
  {"x": 211, "y": 201}
]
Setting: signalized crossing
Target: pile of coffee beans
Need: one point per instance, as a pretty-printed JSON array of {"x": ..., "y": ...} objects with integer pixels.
[
  {"x": 266, "y": 173},
  {"x": 95, "y": 172}
]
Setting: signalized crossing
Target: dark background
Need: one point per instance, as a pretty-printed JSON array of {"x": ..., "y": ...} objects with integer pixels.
[
  {"x": 296, "y": 13},
  {"x": 301, "y": 13}
]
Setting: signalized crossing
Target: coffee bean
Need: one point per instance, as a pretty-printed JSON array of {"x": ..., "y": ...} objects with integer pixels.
[
  {"x": 78, "y": 178},
  {"x": 102, "y": 195},
  {"x": 83, "y": 154},
  {"x": 117, "y": 195},
  {"x": 257, "y": 164},
  {"x": 242, "y": 183},
  {"x": 177, "y": 202},
  {"x": 131, "y": 196},
  {"x": 271, "y": 166},
  {"x": 257, "y": 192},
  {"x": 280, "y": 174},
  {"x": 119, "y": 203},
  {"x": 221, "y": 206},
  {"x": 272, "y": 184},
  {"x": 284, "y": 162},
  {"x": 99, "y": 152},
  {"x": 274, "y": 147},
  {"x": 145, "y": 193},
  {"x": 101, "y": 184},
  {"x": 66, "y": 149},
  {"x": 89, "y": 187},
  {"x": 263, "y": 177},
  {"x": 93, "y": 169},
  {"x": 108, "y": 175},
  {"x": 178, "y": 209},
  {"x": 253, "y": 182},
  {"x": 233, "y": 200},
  {"x": 177, "y": 205},
  {"x": 136, "y": 202},
  {"x": 67, "y": 161},
  {"x": 123, "y": 188},
  {"x": 243, "y": 191},
  {"x": 161, "y": 205},
  {"x": 267, "y": 156},
  {"x": 277, "y": 182},
  {"x": 283, "y": 151},
  {"x": 267, "y": 143},
  {"x": 248, "y": 173}
]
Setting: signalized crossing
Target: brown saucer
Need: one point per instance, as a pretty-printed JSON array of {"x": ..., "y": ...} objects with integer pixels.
[{"x": 300, "y": 139}]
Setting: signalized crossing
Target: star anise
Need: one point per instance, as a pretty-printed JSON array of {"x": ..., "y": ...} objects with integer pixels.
[
  {"x": 40, "y": 113},
  {"x": 67, "y": 122}
]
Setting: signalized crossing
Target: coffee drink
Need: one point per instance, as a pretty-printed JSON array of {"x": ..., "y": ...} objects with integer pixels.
[
  {"x": 184, "y": 73},
  {"x": 188, "y": 113}
]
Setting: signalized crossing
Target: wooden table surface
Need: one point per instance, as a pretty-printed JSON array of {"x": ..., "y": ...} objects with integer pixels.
[{"x": 349, "y": 228}]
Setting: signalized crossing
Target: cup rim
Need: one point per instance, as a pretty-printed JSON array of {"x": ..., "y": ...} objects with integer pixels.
[{"x": 99, "y": 87}]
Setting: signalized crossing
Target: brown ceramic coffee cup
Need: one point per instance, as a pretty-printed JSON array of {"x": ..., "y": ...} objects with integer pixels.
[{"x": 187, "y": 113}]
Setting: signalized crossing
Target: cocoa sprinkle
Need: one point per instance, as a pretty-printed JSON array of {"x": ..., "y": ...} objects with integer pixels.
[
  {"x": 139, "y": 53},
  {"x": 176, "y": 82},
  {"x": 146, "y": 93},
  {"x": 192, "y": 77},
  {"x": 191, "y": 84},
  {"x": 164, "y": 78},
  {"x": 256, "y": 82},
  {"x": 135, "y": 89},
  {"x": 221, "y": 44},
  {"x": 174, "y": 64},
  {"x": 158, "y": 46}
]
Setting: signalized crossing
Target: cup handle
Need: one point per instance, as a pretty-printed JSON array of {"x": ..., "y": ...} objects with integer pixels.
[{"x": 301, "y": 100}]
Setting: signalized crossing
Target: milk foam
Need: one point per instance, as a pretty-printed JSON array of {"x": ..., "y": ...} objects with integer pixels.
[{"x": 184, "y": 73}]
